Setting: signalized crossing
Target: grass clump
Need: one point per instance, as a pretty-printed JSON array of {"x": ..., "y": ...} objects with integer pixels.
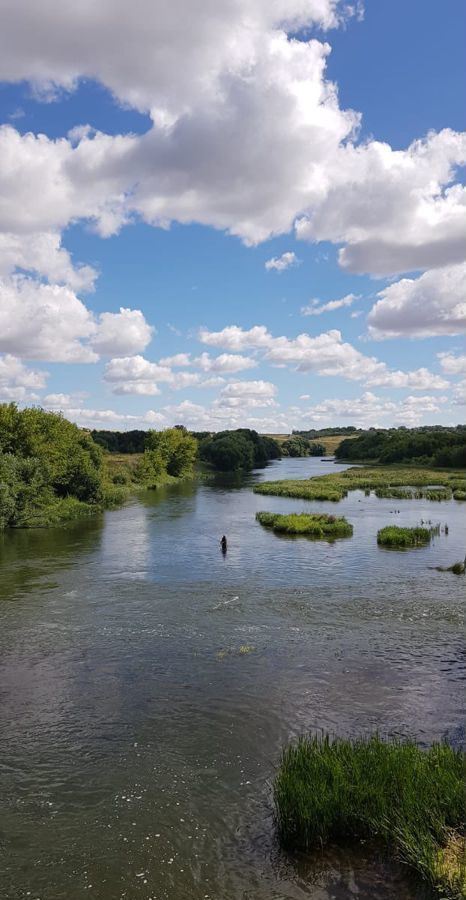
[
  {"x": 319, "y": 525},
  {"x": 394, "y": 536},
  {"x": 459, "y": 495},
  {"x": 310, "y": 489},
  {"x": 411, "y": 799}
]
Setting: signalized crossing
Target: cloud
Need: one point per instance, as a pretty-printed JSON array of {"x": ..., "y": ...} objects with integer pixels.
[
  {"x": 459, "y": 394},
  {"x": 326, "y": 354},
  {"x": 396, "y": 210},
  {"x": 370, "y": 409},
  {"x": 123, "y": 332},
  {"x": 49, "y": 322},
  {"x": 17, "y": 382},
  {"x": 179, "y": 359},
  {"x": 137, "y": 375},
  {"x": 280, "y": 263},
  {"x": 233, "y": 337},
  {"x": 453, "y": 365},
  {"x": 42, "y": 254},
  {"x": 229, "y": 98},
  {"x": 42, "y": 321},
  {"x": 226, "y": 362},
  {"x": 433, "y": 304},
  {"x": 313, "y": 309}
]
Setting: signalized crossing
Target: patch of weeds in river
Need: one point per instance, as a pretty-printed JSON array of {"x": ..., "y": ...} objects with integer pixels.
[
  {"x": 386, "y": 481},
  {"x": 243, "y": 650},
  {"x": 459, "y": 495},
  {"x": 318, "y": 525},
  {"x": 395, "y": 537},
  {"x": 412, "y": 800}
]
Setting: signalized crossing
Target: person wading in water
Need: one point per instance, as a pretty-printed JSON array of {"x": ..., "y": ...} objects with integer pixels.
[{"x": 223, "y": 544}]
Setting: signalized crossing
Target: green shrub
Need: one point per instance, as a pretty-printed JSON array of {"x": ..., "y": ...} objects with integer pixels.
[
  {"x": 394, "y": 536},
  {"x": 459, "y": 495},
  {"x": 318, "y": 525},
  {"x": 337, "y": 790}
]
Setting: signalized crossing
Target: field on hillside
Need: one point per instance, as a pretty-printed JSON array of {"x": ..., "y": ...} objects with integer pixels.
[{"x": 330, "y": 441}]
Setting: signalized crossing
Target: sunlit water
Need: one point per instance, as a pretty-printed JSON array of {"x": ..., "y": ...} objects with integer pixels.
[{"x": 147, "y": 684}]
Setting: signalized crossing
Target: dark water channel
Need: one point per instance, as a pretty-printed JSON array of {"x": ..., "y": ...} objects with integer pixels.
[{"x": 147, "y": 684}]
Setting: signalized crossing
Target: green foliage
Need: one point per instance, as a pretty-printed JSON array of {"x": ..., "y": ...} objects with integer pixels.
[
  {"x": 49, "y": 468},
  {"x": 169, "y": 452},
  {"x": 385, "y": 481},
  {"x": 438, "y": 446},
  {"x": 120, "y": 441},
  {"x": 300, "y": 446},
  {"x": 394, "y": 536},
  {"x": 319, "y": 525},
  {"x": 459, "y": 495},
  {"x": 229, "y": 451},
  {"x": 338, "y": 790}
]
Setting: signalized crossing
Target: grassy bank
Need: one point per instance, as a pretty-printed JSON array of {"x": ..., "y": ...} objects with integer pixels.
[
  {"x": 412, "y": 799},
  {"x": 317, "y": 526},
  {"x": 403, "y": 538},
  {"x": 386, "y": 481}
]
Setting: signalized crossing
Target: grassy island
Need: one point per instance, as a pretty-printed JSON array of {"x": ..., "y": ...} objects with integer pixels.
[
  {"x": 402, "y": 538},
  {"x": 386, "y": 481},
  {"x": 408, "y": 798},
  {"x": 317, "y": 526}
]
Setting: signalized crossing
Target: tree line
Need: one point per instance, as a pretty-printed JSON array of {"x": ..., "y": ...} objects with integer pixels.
[{"x": 427, "y": 446}]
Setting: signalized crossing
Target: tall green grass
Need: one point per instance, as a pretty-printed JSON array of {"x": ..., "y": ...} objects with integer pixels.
[
  {"x": 431, "y": 484},
  {"x": 394, "y": 536},
  {"x": 340, "y": 790},
  {"x": 319, "y": 525}
]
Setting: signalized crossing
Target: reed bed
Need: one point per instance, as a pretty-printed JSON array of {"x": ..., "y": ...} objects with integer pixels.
[
  {"x": 397, "y": 537},
  {"x": 410, "y": 799},
  {"x": 431, "y": 484},
  {"x": 319, "y": 525}
]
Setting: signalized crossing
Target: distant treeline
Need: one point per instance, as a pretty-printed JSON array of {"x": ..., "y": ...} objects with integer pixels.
[
  {"x": 226, "y": 451},
  {"x": 121, "y": 441},
  {"x": 430, "y": 445},
  {"x": 324, "y": 432},
  {"x": 229, "y": 451}
]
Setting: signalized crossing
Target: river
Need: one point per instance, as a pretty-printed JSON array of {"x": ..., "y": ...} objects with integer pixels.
[{"x": 147, "y": 684}]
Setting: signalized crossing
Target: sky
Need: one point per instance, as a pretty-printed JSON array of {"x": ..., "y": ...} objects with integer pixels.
[{"x": 233, "y": 213}]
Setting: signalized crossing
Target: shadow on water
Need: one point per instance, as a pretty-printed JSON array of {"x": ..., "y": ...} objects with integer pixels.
[{"x": 31, "y": 557}]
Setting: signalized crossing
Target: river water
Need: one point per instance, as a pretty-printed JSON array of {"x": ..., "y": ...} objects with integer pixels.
[{"x": 147, "y": 684}]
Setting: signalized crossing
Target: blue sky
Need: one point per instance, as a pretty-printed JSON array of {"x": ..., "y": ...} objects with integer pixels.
[{"x": 186, "y": 189}]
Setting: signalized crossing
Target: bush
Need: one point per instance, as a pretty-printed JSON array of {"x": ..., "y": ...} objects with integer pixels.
[
  {"x": 45, "y": 460},
  {"x": 338, "y": 790},
  {"x": 394, "y": 536},
  {"x": 318, "y": 525}
]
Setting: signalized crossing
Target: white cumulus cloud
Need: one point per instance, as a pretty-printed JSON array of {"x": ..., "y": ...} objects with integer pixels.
[
  {"x": 433, "y": 304},
  {"x": 280, "y": 263}
]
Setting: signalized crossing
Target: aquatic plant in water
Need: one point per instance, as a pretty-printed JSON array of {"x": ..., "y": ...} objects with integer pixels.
[
  {"x": 411, "y": 799},
  {"x": 386, "y": 481},
  {"x": 318, "y": 525},
  {"x": 395, "y": 536}
]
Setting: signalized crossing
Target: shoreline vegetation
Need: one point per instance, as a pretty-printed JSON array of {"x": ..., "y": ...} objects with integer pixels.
[
  {"x": 385, "y": 481},
  {"x": 320, "y": 525},
  {"x": 409, "y": 799}
]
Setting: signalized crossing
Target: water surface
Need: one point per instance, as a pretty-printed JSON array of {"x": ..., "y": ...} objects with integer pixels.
[{"x": 147, "y": 684}]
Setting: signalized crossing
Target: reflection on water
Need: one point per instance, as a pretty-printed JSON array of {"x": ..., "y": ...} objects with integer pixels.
[{"x": 137, "y": 742}]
